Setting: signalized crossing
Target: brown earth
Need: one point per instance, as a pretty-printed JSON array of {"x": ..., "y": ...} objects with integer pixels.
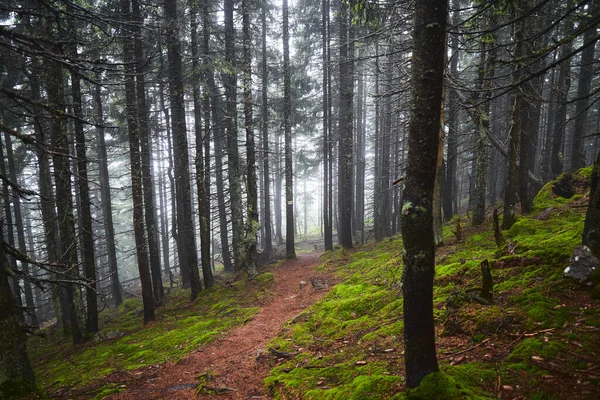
[{"x": 228, "y": 367}]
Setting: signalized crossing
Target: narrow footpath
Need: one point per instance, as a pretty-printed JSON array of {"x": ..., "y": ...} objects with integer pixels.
[{"x": 230, "y": 363}]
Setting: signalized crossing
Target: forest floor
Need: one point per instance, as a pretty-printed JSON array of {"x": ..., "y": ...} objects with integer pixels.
[{"x": 231, "y": 366}]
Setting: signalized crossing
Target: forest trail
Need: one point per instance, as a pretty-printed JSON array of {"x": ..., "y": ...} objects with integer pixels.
[{"x": 230, "y": 363}]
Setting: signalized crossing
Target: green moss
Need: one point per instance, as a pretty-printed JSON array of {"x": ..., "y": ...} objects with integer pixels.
[
  {"x": 535, "y": 347},
  {"x": 435, "y": 386},
  {"x": 180, "y": 328}
]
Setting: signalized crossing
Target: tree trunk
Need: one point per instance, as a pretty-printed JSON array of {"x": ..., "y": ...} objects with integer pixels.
[
  {"x": 591, "y": 228},
  {"x": 327, "y": 217},
  {"x": 252, "y": 225},
  {"x": 145, "y": 143},
  {"x": 47, "y": 201},
  {"x": 16, "y": 373},
  {"x": 268, "y": 240},
  {"x": 188, "y": 256},
  {"x": 586, "y": 73},
  {"x": 201, "y": 172},
  {"x": 136, "y": 167},
  {"x": 416, "y": 223},
  {"x": 233, "y": 158},
  {"x": 346, "y": 121},
  {"x": 64, "y": 199},
  {"x": 287, "y": 129},
  {"x": 449, "y": 192},
  {"x": 16, "y": 200},
  {"x": 109, "y": 230}
]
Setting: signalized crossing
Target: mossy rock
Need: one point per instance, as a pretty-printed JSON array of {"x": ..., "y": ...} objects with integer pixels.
[{"x": 435, "y": 386}]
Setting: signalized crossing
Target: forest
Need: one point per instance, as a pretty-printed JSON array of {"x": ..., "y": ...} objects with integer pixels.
[{"x": 403, "y": 182}]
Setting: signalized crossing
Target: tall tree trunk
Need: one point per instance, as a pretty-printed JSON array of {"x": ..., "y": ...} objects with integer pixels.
[
  {"x": 429, "y": 45},
  {"x": 84, "y": 209},
  {"x": 218, "y": 137},
  {"x": 136, "y": 167},
  {"x": 14, "y": 281},
  {"x": 145, "y": 144},
  {"x": 109, "y": 230},
  {"x": 591, "y": 228},
  {"x": 201, "y": 172},
  {"x": 346, "y": 121},
  {"x": 233, "y": 158},
  {"x": 268, "y": 239},
  {"x": 449, "y": 192},
  {"x": 486, "y": 74},
  {"x": 64, "y": 199},
  {"x": 47, "y": 201},
  {"x": 277, "y": 199},
  {"x": 252, "y": 226},
  {"x": 15, "y": 368},
  {"x": 359, "y": 208},
  {"x": 16, "y": 200},
  {"x": 287, "y": 129},
  {"x": 185, "y": 226},
  {"x": 327, "y": 220},
  {"x": 586, "y": 73}
]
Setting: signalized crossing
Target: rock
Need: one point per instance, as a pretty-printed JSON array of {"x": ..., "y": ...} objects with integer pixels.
[
  {"x": 544, "y": 215},
  {"x": 319, "y": 284},
  {"x": 582, "y": 265}
]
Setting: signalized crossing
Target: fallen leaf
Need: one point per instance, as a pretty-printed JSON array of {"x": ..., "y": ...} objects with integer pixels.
[{"x": 360, "y": 363}]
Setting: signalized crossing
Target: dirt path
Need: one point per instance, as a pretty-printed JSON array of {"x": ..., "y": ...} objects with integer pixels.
[{"x": 230, "y": 362}]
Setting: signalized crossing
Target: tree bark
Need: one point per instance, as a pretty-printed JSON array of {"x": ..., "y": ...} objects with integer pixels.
[
  {"x": 591, "y": 228},
  {"x": 136, "y": 168},
  {"x": 109, "y": 230},
  {"x": 145, "y": 145},
  {"x": 287, "y": 129},
  {"x": 233, "y": 158},
  {"x": 586, "y": 73},
  {"x": 268, "y": 239},
  {"x": 252, "y": 225},
  {"x": 416, "y": 222},
  {"x": 15, "y": 368},
  {"x": 346, "y": 120},
  {"x": 188, "y": 256}
]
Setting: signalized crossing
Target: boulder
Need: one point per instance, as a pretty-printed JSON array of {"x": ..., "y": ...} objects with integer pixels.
[{"x": 582, "y": 265}]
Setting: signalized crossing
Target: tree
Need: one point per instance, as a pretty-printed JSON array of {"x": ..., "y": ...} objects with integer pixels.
[
  {"x": 346, "y": 121},
  {"x": 109, "y": 230},
  {"x": 267, "y": 228},
  {"x": 252, "y": 226},
  {"x": 233, "y": 158},
  {"x": 327, "y": 156},
  {"x": 591, "y": 229},
  {"x": 16, "y": 374},
  {"x": 287, "y": 129},
  {"x": 187, "y": 254},
  {"x": 136, "y": 167},
  {"x": 145, "y": 151},
  {"x": 201, "y": 137},
  {"x": 417, "y": 222},
  {"x": 586, "y": 73}
]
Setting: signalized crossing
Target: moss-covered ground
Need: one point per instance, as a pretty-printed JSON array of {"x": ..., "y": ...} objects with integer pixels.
[
  {"x": 125, "y": 344},
  {"x": 538, "y": 339}
]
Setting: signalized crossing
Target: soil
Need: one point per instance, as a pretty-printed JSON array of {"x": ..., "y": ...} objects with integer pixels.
[{"x": 230, "y": 367}]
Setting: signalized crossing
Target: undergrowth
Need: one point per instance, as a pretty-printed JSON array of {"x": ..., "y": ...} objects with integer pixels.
[{"x": 349, "y": 344}]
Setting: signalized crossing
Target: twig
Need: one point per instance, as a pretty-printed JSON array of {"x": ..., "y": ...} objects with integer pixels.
[
  {"x": 538, "y": 332},
  {"x": 465, "y": 350}
]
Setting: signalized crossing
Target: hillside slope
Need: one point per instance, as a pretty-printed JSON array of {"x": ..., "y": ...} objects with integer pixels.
[{"x": 537, "y": 339}]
